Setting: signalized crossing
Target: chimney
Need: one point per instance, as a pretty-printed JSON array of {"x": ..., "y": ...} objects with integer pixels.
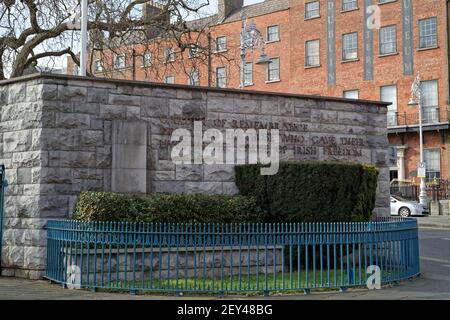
[
  {"x": 158, "y": 16},
  {"x": 225, "y": 7}
]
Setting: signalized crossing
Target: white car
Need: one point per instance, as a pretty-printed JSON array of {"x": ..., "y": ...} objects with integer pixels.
[{"x": 404, "y": 208}]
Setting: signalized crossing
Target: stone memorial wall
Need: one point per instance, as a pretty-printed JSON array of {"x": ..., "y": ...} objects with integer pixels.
[{"x": 60, "y": 135}]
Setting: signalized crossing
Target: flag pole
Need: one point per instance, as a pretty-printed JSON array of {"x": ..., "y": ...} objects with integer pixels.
[{"x": 84, "y": 37}]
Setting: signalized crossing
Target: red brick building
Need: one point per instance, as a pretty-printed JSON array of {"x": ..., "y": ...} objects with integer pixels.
[{"x": 332, "y": 48}]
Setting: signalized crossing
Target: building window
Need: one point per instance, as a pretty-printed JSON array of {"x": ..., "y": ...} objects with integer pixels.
[
  {"x": 193, "y": 51},
  {"x": 428, "y": 33},
  {"x": 221, "y": 77},
  {"x": 273, "y": 33},
  {"x": 169, "y": 79},
  {"x": 432, "y": 159},
  {"x": 147, "y": 59},
  {"x": 388, "y": 40},
  {"x": 312, "y": 53},
  {"x": 194, "y": 78},
  {"x": 351, "y": 94},
  {"x": 389, "y": 94},
  {"x": 349, "y": 5},
  {"x": 350, "y": 46},
  {"x": 221, "y": 44},
  {"x": 273, "y": 70},
  {"x": 76, "y": 70},
  {"x": 392, "y": 152},
  {"x": 312, "y": 10},
  {"x": 248, "y": 74},
  {"x": 119, "y": 61},
  {"x": 98, "y": 67},
  {"x": 169, "y": 55},
  {"x": 430, "y": 101}
]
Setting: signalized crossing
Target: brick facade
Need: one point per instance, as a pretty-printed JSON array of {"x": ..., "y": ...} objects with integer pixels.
[{"x": 295, "y": 30}]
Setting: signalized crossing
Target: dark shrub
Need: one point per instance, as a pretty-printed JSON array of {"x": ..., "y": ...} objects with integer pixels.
[
  {"x": 167, "y": 208},
  {"x": 312, "y": 191}
]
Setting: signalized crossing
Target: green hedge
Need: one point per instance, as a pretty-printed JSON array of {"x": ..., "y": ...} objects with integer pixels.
[
  {"x": 312, "y": 191},
  {"x": 168, "y": 208}
]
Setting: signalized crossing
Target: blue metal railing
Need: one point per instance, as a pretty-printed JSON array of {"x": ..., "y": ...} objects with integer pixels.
[{"x": 230, "y": 257}]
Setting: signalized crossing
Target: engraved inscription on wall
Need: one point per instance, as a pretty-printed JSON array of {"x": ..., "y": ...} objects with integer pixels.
[{"x": 297, "y": 140}]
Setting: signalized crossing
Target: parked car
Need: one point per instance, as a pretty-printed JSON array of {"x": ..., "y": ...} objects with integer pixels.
[{"x": 405, "y": 208}]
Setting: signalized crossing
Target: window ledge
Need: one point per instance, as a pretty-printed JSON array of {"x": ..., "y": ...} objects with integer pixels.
[
  {"x": 249, "y": 84},
  {"x": 272, "y": 41},
  {"x": 220, "y": 51},
  {"x": 312, "y": 18},
  {"x": 350, "y": 60},
  {"x": 350, "y": 10},
  {"x": 272, "y": 81},
  {"x": 428, "y": 48},
  {"x": 314, "y": 66},
  {"x": 387, "y": 2},
  {"x": 387, "y": 54}
]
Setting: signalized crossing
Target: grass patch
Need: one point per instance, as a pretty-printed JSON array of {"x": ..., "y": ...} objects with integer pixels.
[{"x": 246, "y": 285}]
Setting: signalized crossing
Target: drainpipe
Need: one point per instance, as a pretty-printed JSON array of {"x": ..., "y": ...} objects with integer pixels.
[
  {"x": 209, "y": 59},
  {"x": 133, "y": 54}
]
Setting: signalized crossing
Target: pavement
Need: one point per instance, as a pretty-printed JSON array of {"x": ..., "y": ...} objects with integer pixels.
[
  {"x": 434, "y": 282},
  {"x": 439, "y": 222}
]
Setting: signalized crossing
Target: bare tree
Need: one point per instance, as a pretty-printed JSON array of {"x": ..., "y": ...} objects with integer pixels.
[{"x": 42, "y": 31}]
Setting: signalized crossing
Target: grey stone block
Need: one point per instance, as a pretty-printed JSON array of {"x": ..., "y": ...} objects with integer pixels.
[
  {"x": 17, "y": 92},
  {"x": 221, "y": 104},
  {"x": 219, "y": 172},
  {"x": 203, "y": 187},
  {"x": 17, "y": 141},
  {"x": 187, "y": 108},
  {"x": 167, "y": 187},
  {"x": 73, "y": 120},
  {"x": 193, "y": 172},
  {"x": 154, "y": 107},
  {"x": 24, "y": 175},
  {"x": 72, "y": 93},
  {"x": 118, "y": 99}
]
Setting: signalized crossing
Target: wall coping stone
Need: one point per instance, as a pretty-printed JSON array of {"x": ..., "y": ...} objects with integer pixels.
[{"x": 51, "y": 76}]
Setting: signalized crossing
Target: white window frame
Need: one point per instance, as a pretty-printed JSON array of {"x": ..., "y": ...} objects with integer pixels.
[
  {"x": 432, "y": 171},
  {"x": 347, "y": 94},
  {"x": 428, "y": 34},
  {"x": 354, "y": 49},
  {"x": 248, "y": 74},
  {"x": 98, "y": 65},
  {"x": 147, "y": 59},
  {"x": 349, "y": 5},
  {"x": 194, "y": 81},
  {"x": 193, "y": 51},
  {"x": 221, "y": 80},
  {"x": 277, "y": 26},
  {"x": 308, "y": 14},
  {"x": 308, "y": 56},
  {"x": 166, "y": 79},
  {"x": 392, "y": 108},
  {"x": 269, "y": 70},
  {"x": 116, "y": 58},
  {"x": 169, "y": 55},
  {"x": 391, "y": 42},
  {"x": 225, "y": 44}
]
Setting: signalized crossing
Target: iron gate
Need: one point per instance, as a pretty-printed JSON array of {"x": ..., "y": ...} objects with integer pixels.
[{"x": 2, "y": 193}]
